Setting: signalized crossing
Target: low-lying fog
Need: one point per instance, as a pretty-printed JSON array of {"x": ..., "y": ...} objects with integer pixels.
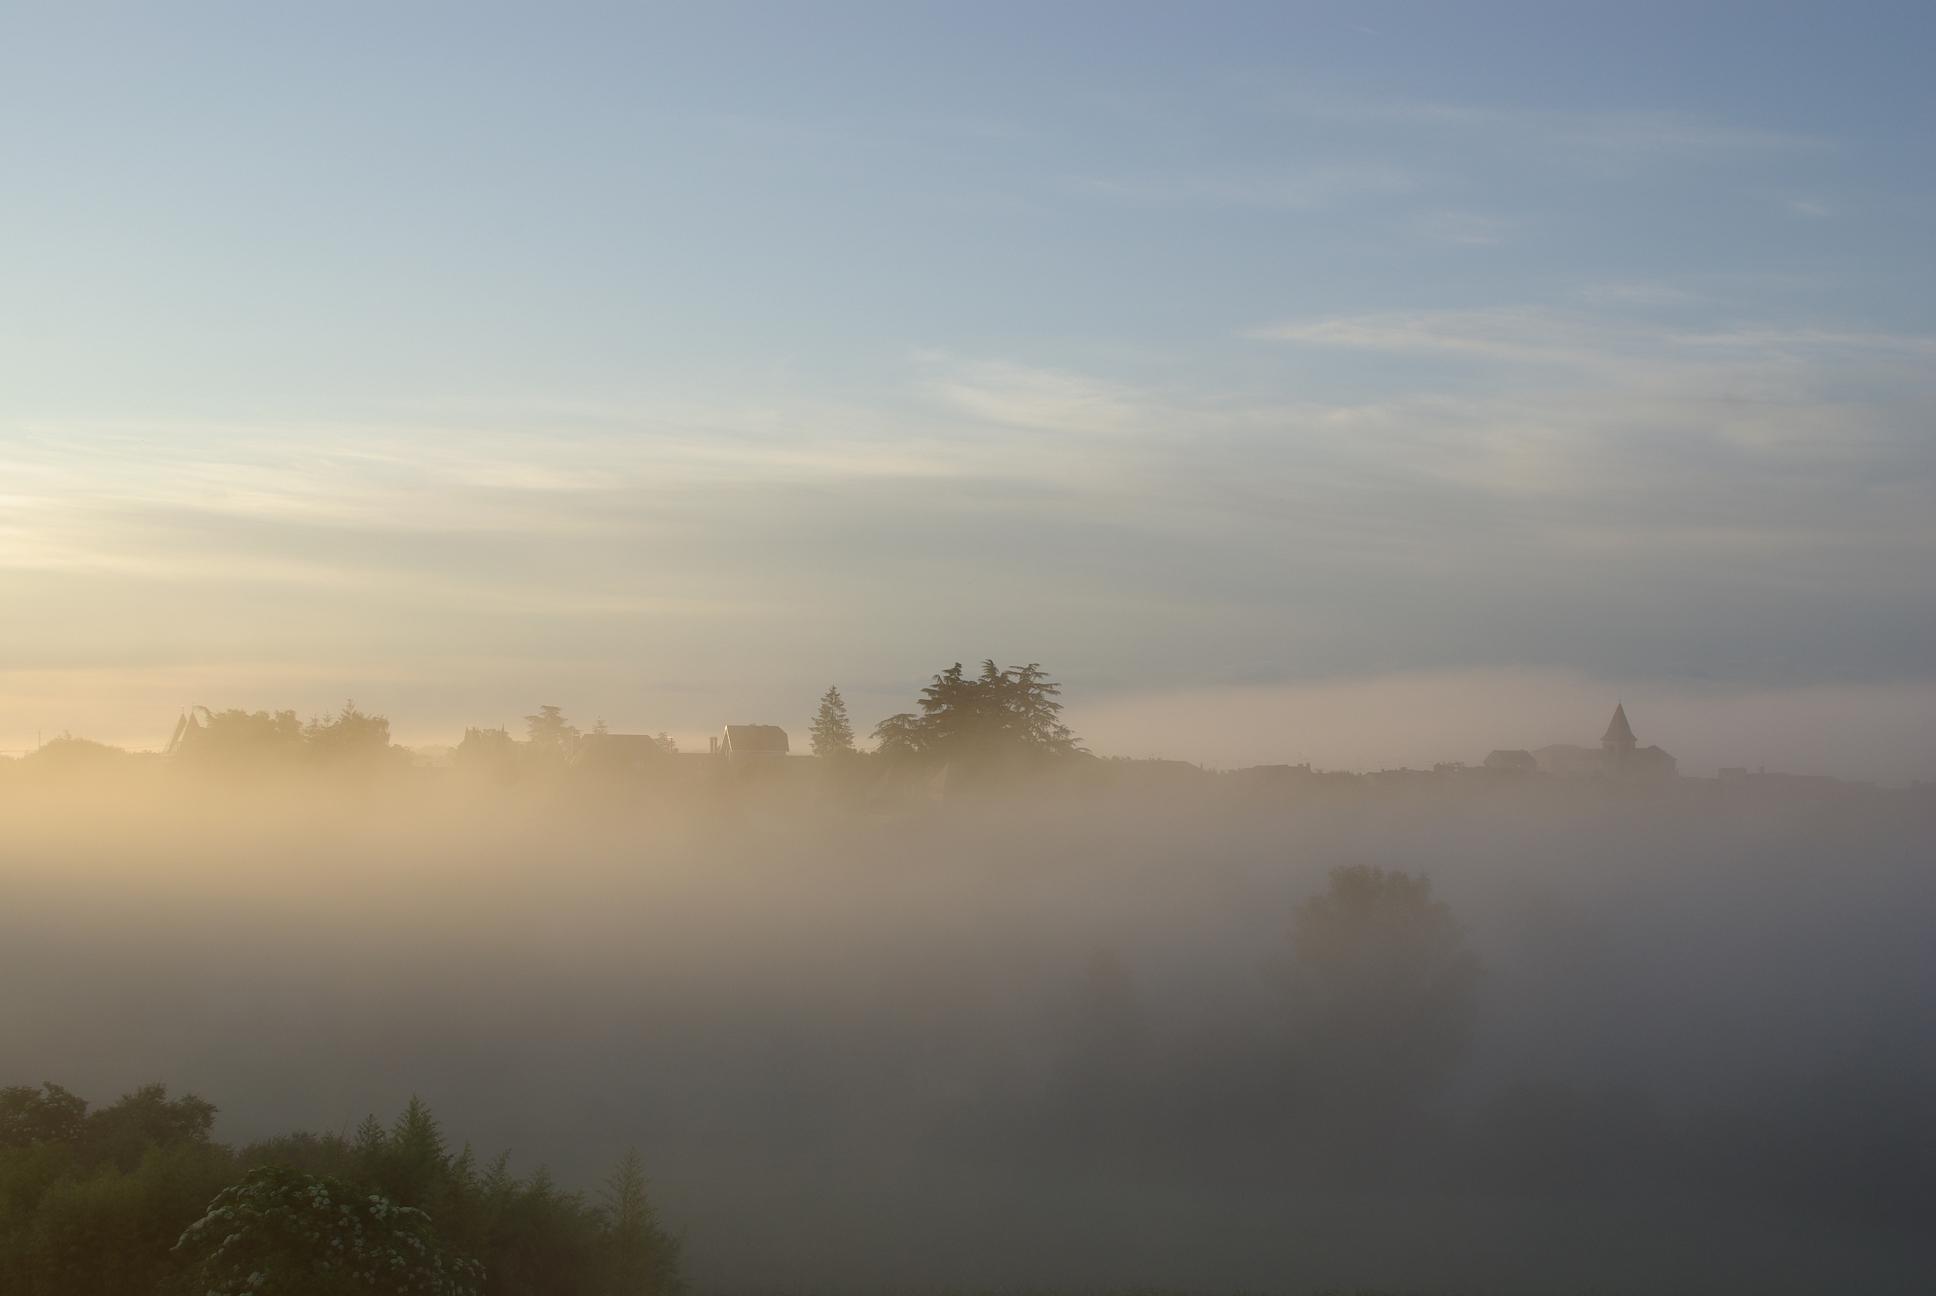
[{"x": 1086, "y": 1039}]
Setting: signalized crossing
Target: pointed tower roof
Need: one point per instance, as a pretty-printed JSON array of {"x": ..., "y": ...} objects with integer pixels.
[{"x": 1618, "y": 730}]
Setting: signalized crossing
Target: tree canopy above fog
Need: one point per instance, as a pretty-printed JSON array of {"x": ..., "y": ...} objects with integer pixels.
[
  {"x": 996, "y": 714},
  {"x": 238, "y": 737}
]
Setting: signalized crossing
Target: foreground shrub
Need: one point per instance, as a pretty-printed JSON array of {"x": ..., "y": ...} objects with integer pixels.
[{"x": 281, "y": 1232}]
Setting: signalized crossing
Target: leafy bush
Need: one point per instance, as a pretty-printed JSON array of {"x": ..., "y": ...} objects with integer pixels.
[
  {"x": 136, "y": 1198},
  {"x": 281, "y": 1232}
]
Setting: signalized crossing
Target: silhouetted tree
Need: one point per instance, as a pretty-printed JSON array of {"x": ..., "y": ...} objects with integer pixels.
[
  {"x": 952, "y": 714},
  {"x": 997, "y": 714},
  {"x": 1031, "y": 697},
  {"x": 91, "y": 1205},
  {"x": 550, "y": 733},
  {"x": 123, "y": 1131},
  {"x": 238, "y": 737},
  {"x": 348, "y": 736},
  {"x": 1107, "y": 1047},
  {"x": 371, "y": 1146},
  {"x": 898, "y": 736},
  {"x": 833, "y": 735},
  {"x": 68, "y": 756},
  {"x": 284, "y": 1231},
  {"x": 414, "y": 1166},
  {"x": 49, "y": 1114},
  {"x": 641, "y": 1258},
  {"x": 1385, "y": 988},
  {"x": 489, "y": 752}
]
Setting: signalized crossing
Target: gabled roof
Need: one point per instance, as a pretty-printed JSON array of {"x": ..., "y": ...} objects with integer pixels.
[
  {"x": 1618, "y": 730},
  {"x": 766, "y": 739},
  {"x": 617, "y": 749}
]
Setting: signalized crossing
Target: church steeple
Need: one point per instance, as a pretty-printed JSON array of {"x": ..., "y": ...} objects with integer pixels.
[{"x": 1619, "y": 737}]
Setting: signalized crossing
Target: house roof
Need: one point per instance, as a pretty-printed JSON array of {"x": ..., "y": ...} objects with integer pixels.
[
  {"x": 756, "y": 738},
  {"x": 620, "y": 742},
  {"x": 617, "y": 749},
  {"x": 1618, "y": 730}
]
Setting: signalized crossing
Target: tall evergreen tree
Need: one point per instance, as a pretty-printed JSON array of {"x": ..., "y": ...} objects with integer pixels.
[
  {"x": 948, "y": 713},
  {"x": 998, "y": 713},
  {"x": 642, "y": 1257},
  {"x": 371, "y": 1147},
  {"x": 416, "y": 1161},
  {"x": 1037, "y": 714},
  {"x": 833, "y": 734}
]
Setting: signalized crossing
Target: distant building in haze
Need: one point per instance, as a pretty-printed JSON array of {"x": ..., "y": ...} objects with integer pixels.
[
  {"x": 618, "y": 753},
  {"x": 751, "y": 742},
  {"x": 1619, "y": 753},
  {"x": 1618, "y": 741}
]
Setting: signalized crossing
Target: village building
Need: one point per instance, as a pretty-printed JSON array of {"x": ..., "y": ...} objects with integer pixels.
[
  {"x": 1619, "y": 753},
  {"x": 751, "y": 742},
  {"x": 617, "y": 752}
]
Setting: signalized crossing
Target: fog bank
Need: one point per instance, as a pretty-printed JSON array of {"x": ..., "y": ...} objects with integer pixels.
[{"x": 1034, "y": 1037}]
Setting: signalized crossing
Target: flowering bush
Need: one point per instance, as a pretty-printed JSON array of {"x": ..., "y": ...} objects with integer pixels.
[{"x": 281, "y": 1232}]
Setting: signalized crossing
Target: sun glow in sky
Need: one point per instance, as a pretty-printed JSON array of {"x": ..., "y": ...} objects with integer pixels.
[{"x": 672, "y": 364}]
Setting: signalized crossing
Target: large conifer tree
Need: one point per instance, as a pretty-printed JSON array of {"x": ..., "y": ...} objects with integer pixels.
[
  {"x": 833, "y": 735},
  {"x": 997, "y": 713}
]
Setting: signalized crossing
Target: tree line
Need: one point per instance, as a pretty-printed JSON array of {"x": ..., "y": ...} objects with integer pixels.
[
  {"x": 136, "y": 1197},
  {"x": 350, "y": 736},
  {"x": 997, "y": 715}
]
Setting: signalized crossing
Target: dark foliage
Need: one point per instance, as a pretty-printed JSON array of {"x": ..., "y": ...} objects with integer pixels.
[
  {"x": 833, "y": 734},
  {"x": 236, "y": 740},
  {"x": 97, "y": 1203},
  {"x": 998, "y": 715}
]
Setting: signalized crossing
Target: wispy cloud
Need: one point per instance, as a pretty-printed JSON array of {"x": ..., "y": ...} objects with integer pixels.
[
  {"x": 1602, "y": 451},
  {"x": 1032, "y": 397},
  {"x": 1813, "y": 340},
  {"x": 1639, "y": 293},
  {"x": 1463, "y": 228},
  {"x": 1538, "y": 335},
  {"x": 1289, "y": 188},
  {"x": 1628, "y": 137},
  {"x": 1521, "y": 334}
]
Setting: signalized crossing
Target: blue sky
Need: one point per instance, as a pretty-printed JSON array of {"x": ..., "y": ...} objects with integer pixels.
[{"x": 672, "y": 363}]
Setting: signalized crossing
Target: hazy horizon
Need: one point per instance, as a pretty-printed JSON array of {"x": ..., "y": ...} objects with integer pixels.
[
  {"x": 672, "y": 365},
  {"x": 398, "y": 401},
  {"x": 1865, "y": 733}
]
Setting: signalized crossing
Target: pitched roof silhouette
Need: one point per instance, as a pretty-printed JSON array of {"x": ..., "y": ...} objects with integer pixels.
[
  {"x": 1618, "y": 730},
  {"x": 616, "y": 749},
  {"x": 761, "y": 739}
]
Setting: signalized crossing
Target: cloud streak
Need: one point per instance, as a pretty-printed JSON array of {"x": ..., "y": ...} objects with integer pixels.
[{"x": 1636, "y": 499}]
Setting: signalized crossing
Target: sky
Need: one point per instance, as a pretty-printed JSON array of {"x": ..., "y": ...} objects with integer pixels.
[{"x": 1250, "y": 367}]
